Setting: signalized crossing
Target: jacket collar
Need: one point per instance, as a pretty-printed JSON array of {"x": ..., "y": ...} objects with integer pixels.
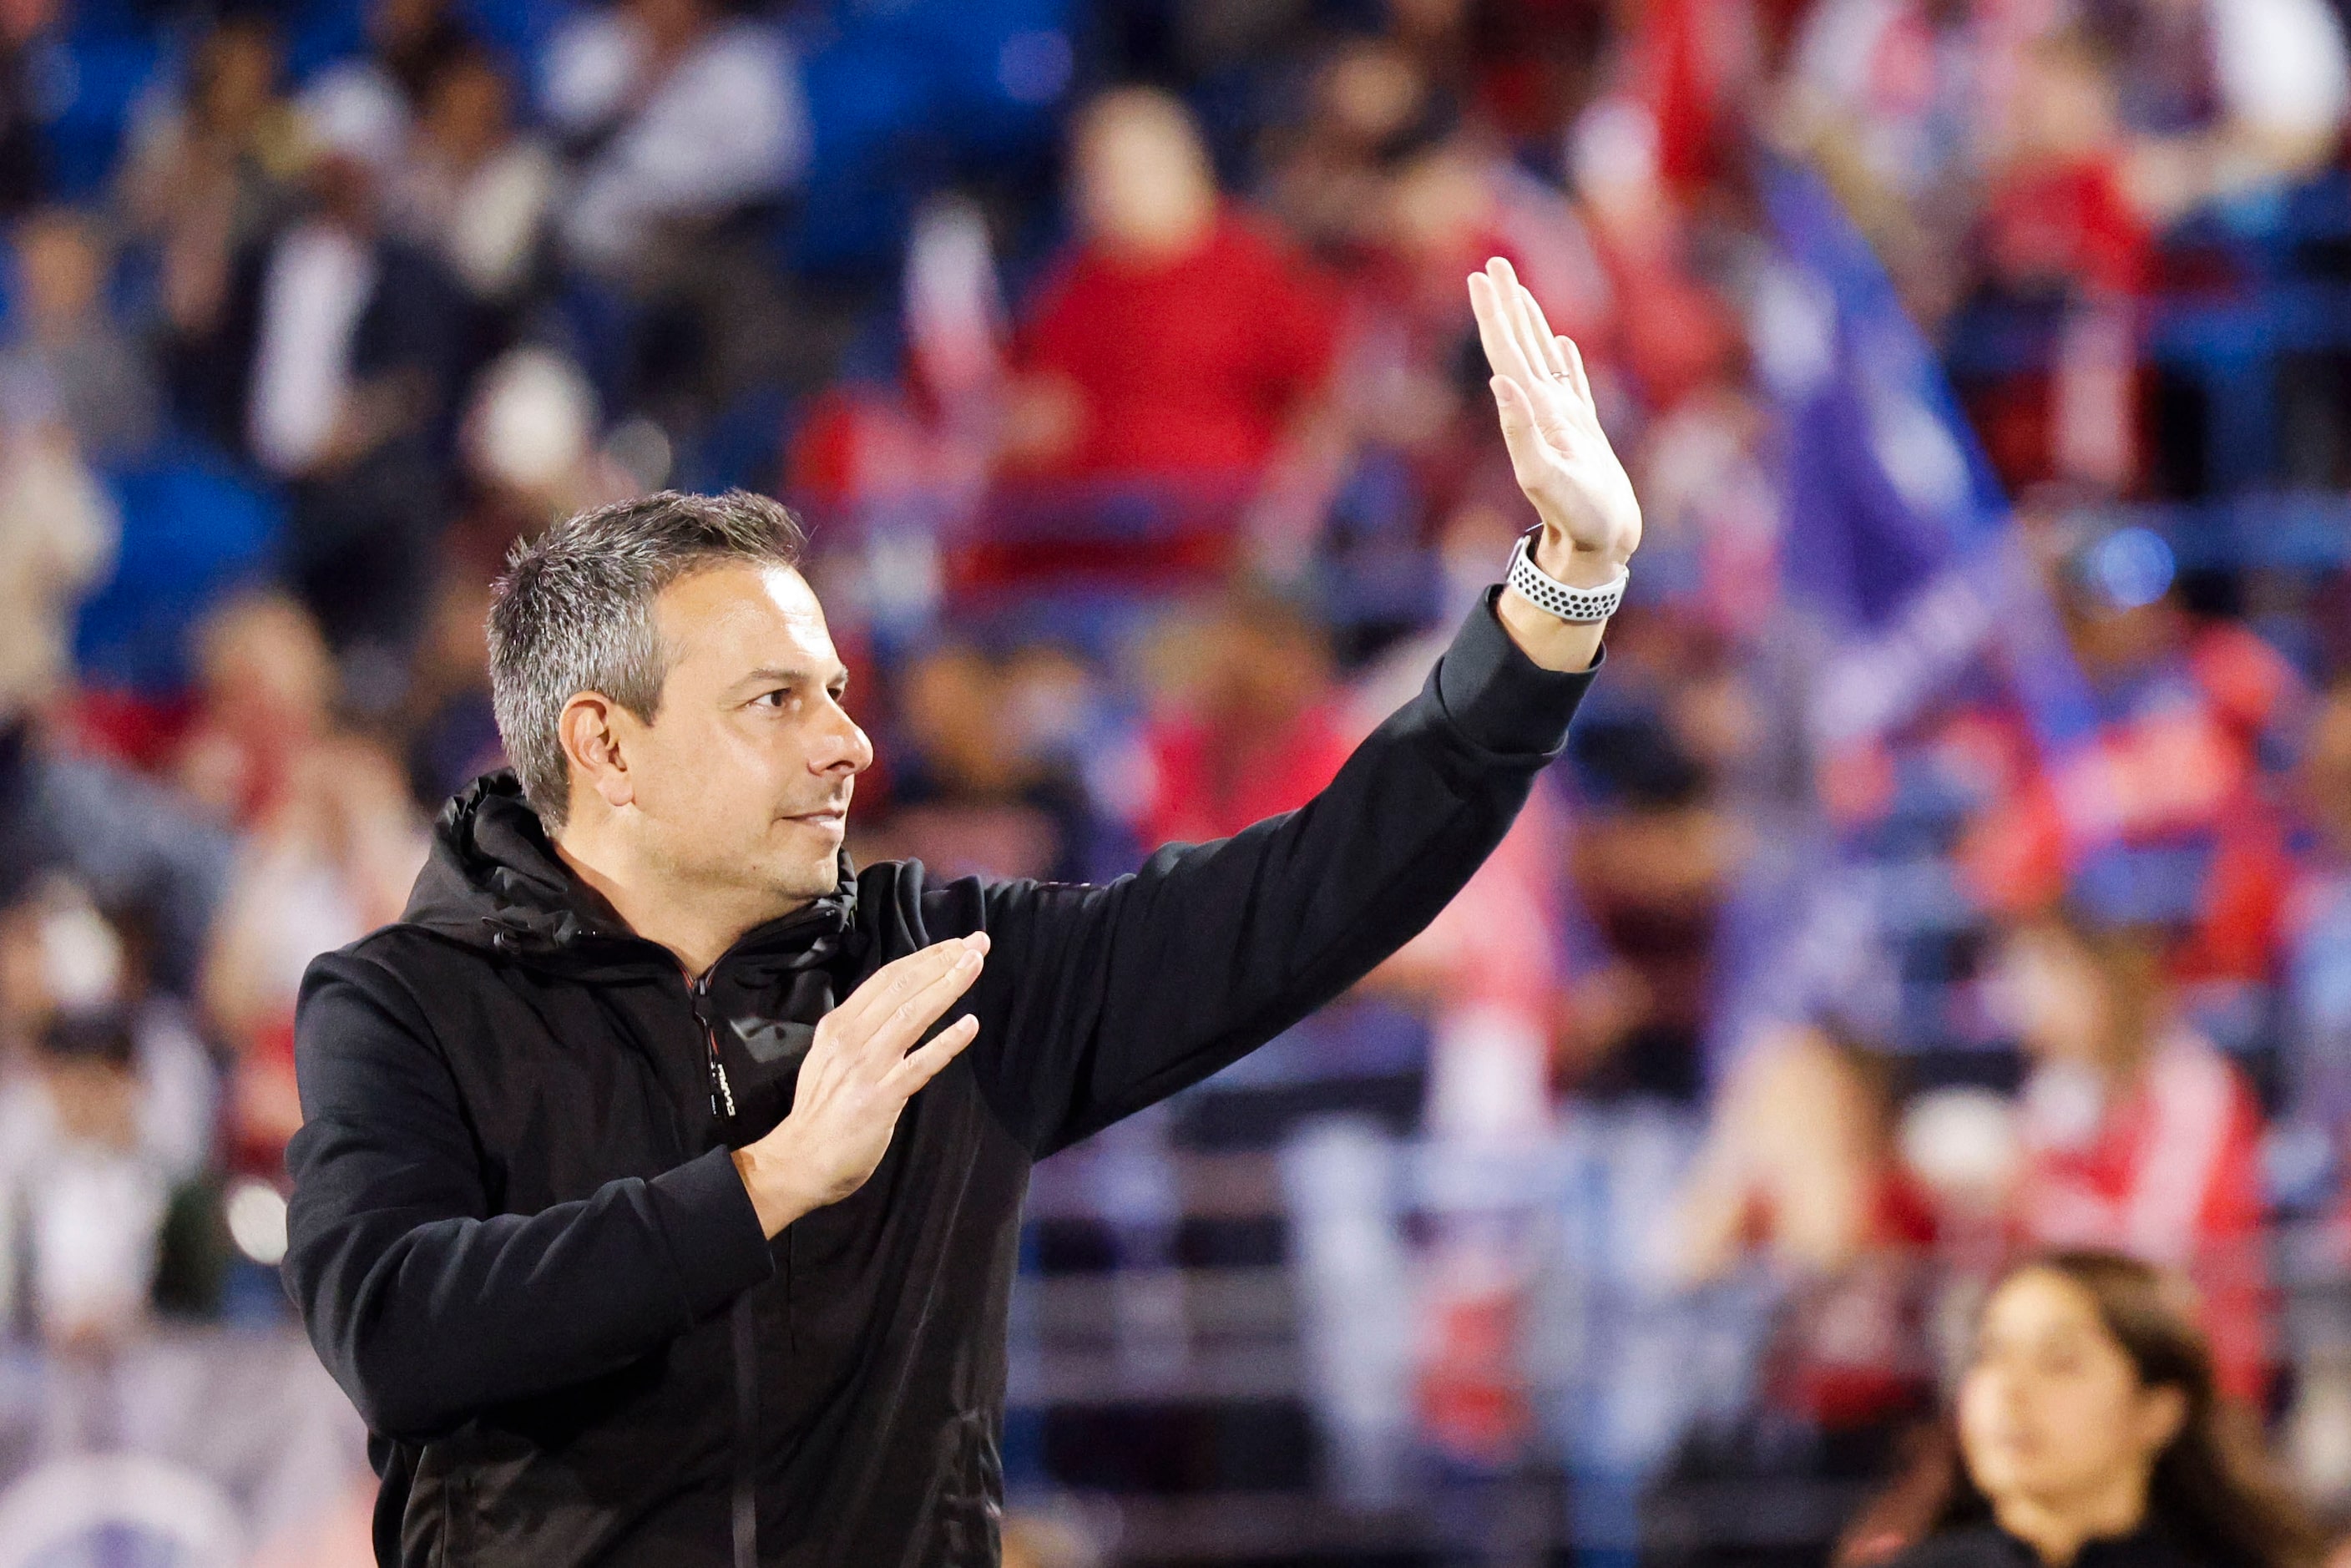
[{"x": 493, "y": 880}]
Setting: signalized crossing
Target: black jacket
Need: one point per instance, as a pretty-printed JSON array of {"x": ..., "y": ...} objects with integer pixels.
[
  {"x": 1989, "y": 1546},
  {"x": 520, "y": 1244}
]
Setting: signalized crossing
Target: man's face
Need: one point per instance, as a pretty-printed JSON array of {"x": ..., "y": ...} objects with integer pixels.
[{"x": 743, "y": 779}]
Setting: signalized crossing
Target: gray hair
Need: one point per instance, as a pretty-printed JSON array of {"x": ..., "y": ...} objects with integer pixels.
[{"x": 574, "y": 614}]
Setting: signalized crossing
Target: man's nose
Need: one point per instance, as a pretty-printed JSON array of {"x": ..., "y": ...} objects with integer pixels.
[{"x": 845, "y": 747}]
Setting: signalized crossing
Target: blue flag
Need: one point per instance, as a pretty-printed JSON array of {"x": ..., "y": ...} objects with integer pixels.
[
  {"x": 1898, "y": 537},
  {"x": 1899, "y": 553}
]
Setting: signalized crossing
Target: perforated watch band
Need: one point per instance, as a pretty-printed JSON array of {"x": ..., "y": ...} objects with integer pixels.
[{"x": 1547, "y": 593}]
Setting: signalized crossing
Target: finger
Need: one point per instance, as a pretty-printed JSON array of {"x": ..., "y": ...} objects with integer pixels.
[
  {"x": 1495, "y": 332},
  {"x": 855, "y": 1041},
  {"x": 1512, "y": 299},
  {"x": 1519, "y": 431},
  {"x": 850, "y": 1027},
  {"x": 897, "y": 1031},
  {"x": 902, "y": 1028},
  {"x": 1534, "y": 332},
  {"x": 1540, "y": 324},
  {"x": 1539, "y": 330},
  {"x": 1582, "y": 378},
  {"x": 919, "y": 1067},
  {"x": 892, "y": 984},
  {"x": 885, "y": 986}
]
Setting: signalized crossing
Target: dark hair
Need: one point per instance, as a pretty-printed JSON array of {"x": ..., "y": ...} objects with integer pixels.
[
  {"x": 2212, "y": 1492},
  {"x": 104, "y": 1037},
  {"x": 574, "y": 614}
]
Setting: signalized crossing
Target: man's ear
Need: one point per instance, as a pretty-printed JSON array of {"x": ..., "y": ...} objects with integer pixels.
[{"x": 590, "y": 728}]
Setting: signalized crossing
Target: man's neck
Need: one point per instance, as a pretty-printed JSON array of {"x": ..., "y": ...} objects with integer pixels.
[{"x": 697, "y": 925}]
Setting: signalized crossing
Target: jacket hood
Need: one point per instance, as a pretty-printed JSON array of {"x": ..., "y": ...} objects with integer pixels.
[{"x": 494, "y": 880}]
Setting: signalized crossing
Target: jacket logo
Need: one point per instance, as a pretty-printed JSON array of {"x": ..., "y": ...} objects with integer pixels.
[{"x": 771, "y": 1041}]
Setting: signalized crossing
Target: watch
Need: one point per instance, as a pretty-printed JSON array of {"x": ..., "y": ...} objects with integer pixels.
[{"x": 1548, "y": 594}]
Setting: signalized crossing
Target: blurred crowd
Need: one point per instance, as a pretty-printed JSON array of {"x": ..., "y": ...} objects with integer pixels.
[{"x": 1120, "y": 358}]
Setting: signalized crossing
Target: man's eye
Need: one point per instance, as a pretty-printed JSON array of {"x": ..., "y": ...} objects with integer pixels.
[{"x": 777, "y": 698}]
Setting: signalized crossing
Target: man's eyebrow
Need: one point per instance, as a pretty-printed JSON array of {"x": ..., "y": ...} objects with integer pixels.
[{"x": 773, "y": 674}]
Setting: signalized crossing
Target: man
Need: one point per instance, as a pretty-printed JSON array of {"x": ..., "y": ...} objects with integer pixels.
[{"x": 658, "y": 1197}]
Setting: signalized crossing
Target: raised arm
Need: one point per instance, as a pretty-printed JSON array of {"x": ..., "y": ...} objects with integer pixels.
[
  {"x": 1103, "y": 1000},
  {"x": 1100, "y": 1000}
]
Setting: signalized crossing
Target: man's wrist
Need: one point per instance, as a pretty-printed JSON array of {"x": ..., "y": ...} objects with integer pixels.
[
  {"x": 767, "y": 1176},
  {"x": 1575, "y": 566},
  {"x": 1550, "y": 643}
]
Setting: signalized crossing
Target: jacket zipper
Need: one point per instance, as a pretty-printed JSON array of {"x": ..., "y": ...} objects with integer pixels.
[
  {"x": 743, "y": 1510},
  {"x": 722, "y": 1093}
]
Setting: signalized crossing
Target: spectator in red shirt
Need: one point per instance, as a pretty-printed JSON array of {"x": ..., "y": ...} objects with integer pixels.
[
  {"x": 2138, "y": 1135},
  {"x": 1174, "y": 341}
]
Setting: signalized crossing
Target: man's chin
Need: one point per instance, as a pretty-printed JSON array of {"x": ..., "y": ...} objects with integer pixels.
[
  {"x": 806, "y": 876},
  {"x": 825, "y": 878}
]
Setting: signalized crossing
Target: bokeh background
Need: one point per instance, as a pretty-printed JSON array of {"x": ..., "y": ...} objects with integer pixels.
[{"x": 1984, "y": 366}]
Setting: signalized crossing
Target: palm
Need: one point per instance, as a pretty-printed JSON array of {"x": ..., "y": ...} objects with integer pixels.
[{"x": 1558, "y": 451}]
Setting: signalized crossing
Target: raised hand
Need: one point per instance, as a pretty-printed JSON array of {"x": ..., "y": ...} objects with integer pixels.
[
  {"x": 1592, "y": 523},
  {"x": 860, "y": 1071}
]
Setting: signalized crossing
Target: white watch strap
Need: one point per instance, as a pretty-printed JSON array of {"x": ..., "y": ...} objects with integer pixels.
[{"x": 1548, "y": 594}]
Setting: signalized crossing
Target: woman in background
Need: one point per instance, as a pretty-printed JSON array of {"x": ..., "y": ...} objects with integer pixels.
[{"x": 2088, "y": 1433}]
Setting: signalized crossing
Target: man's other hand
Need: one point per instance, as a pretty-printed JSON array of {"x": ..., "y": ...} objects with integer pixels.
[{"x": 863, "y": 1067}]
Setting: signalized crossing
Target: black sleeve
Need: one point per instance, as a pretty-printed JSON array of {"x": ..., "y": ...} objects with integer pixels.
[
  {"x": 426, "y": 1307},
  {"x": 1099, "y": 1000}
]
